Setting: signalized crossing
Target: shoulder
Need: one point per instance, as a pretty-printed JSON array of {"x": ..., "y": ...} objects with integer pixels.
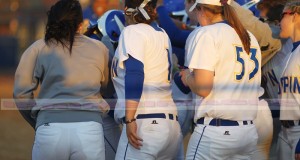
[
  {"x": 94, "y": 47},
  {"x": 137, "y": 29},
  {"x": 218, "y": 26},
  {"x": 32, "y": 52},
  {"x": 93, "y": 42},
  {"x": 35, "y": 47},
  {"x": 202, "y": 33},
  {"x": 214, "y": 30},
  {"x": 39, "y": 44}
]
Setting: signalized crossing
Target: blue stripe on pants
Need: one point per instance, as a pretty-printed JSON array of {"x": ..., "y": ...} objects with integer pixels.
[
  {"x": 126, "y": 151},
  {"x": 199, "y": 143}
]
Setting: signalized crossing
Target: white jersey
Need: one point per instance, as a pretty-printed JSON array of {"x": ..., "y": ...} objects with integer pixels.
[
  {"x": 290, "y": 88},
  {"x": 151, "y": 46},
  {"x": 273, "y": 69},
  {"x": 235, "y": 91}
]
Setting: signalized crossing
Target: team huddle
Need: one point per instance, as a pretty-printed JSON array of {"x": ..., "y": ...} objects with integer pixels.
[{"x": 229, "y": 81}]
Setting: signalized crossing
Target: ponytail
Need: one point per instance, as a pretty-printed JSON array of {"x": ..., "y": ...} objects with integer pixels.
[
  {"x": 63, "y": 22},
  {"x": 229, "y": 14},
  {"x": 234, "y": 22}
]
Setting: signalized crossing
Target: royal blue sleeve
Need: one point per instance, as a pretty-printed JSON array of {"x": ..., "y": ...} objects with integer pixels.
[
  {"x": 297, "y": 151},
  {"x": 184, "y": 89},
  {"x": 177, "y": 36},
  {"x": 134, "y": 79}
]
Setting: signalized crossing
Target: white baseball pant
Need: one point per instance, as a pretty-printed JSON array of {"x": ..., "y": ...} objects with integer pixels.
[
  {"x": 287, "y": 142},
  {"x": 160, "y": 140},
  {"x": 264, "y": 127},
  {"x": 69, "y": 141},
  {"x": 222, "y": 142}
]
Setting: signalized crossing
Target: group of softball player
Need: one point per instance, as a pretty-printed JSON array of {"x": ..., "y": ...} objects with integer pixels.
[{"x": 217, "y": 92}]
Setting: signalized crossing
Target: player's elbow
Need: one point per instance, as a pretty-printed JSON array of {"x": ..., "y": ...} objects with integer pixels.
[{"x": 203, "y": 91}]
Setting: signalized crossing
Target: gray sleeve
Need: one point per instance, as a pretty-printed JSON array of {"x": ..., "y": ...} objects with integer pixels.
[
  {"x": 27, "y": 78},
  {"x": 262, "y": 32}
]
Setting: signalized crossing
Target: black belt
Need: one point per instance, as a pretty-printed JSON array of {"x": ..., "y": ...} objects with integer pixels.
[
  {"x": 289, "y": 123},
  {"x": 222, "y": 122},
  {"x": 155, "y": 115}
]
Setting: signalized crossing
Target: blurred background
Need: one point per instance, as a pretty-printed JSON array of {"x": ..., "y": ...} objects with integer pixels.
[{"x": 21, "y": 23}]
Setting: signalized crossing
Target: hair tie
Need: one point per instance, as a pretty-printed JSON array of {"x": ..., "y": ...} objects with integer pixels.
[
  {"x": 223, "y": 2},
  {"x": 134, "y": 11},
  {"x": 142, "y": 10}
]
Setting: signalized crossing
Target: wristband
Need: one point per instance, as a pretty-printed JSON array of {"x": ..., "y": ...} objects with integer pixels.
[
  {"x": 187, "y": 78},
  {"x": 129, "y": 121}
]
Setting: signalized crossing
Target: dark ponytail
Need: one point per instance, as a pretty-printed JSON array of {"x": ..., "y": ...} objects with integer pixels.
[
  {"x": 137, "y": 16},
  {"x": 229, "y": 14},
  {"x": 63, "y": 22}
]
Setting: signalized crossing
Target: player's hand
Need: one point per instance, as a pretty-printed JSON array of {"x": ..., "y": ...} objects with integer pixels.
[
  {"x": 132, "y": 136},
  {"x": 183, "y": 75},
  {"x": 297, "y": 156}
]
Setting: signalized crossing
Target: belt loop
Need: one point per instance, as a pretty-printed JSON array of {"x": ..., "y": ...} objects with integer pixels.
[
  {"x": 207, "y": 120},
  {"x": 218, "y": 122},
  {"x": 296, "y": 122},
  {"x": 171, "y": 117}
]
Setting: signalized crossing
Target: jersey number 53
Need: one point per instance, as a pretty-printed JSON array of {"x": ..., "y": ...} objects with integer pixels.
[{"x": 239, "y": 59}]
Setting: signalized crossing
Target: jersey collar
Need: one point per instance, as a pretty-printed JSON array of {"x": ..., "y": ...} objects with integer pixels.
[
  {"x": 295, "y": 45},
  {"x": 155, "y": 26},
  {"x": 224, "y": 21}
]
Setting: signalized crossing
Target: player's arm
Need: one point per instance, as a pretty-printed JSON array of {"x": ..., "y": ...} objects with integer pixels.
[
  {"x": 201, "y": 56},
  {"x": 26, "y": 82},
  {"x": 200, "y": 81},
  {"x": 177, "y": 36},
  {"x": 134, "y": 80}
]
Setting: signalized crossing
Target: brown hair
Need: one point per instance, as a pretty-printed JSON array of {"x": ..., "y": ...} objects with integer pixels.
[
  {"x": 229, "y": 14},
  {"x": 268, "y": 4},
  {"x": 64, "y": 19},
  {"x": 294, "y": 6},
  {"x": 137, "y": 16},
  {"x": 190, "y": 1}
]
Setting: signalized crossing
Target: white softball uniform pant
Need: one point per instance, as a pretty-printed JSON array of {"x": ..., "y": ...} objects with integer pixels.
[
  {"x": 264, "y": 127},
  {"x": 69, "y": 141},
  {"x": 287, "y": 142},
  {"x": 161, "y": 139},
  {"x": 222, "y": 142}
]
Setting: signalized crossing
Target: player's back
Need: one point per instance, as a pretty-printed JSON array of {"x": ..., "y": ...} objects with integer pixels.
[
  {"x": 149, "y": 44},
  {"x": 237, "y": 74}
]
